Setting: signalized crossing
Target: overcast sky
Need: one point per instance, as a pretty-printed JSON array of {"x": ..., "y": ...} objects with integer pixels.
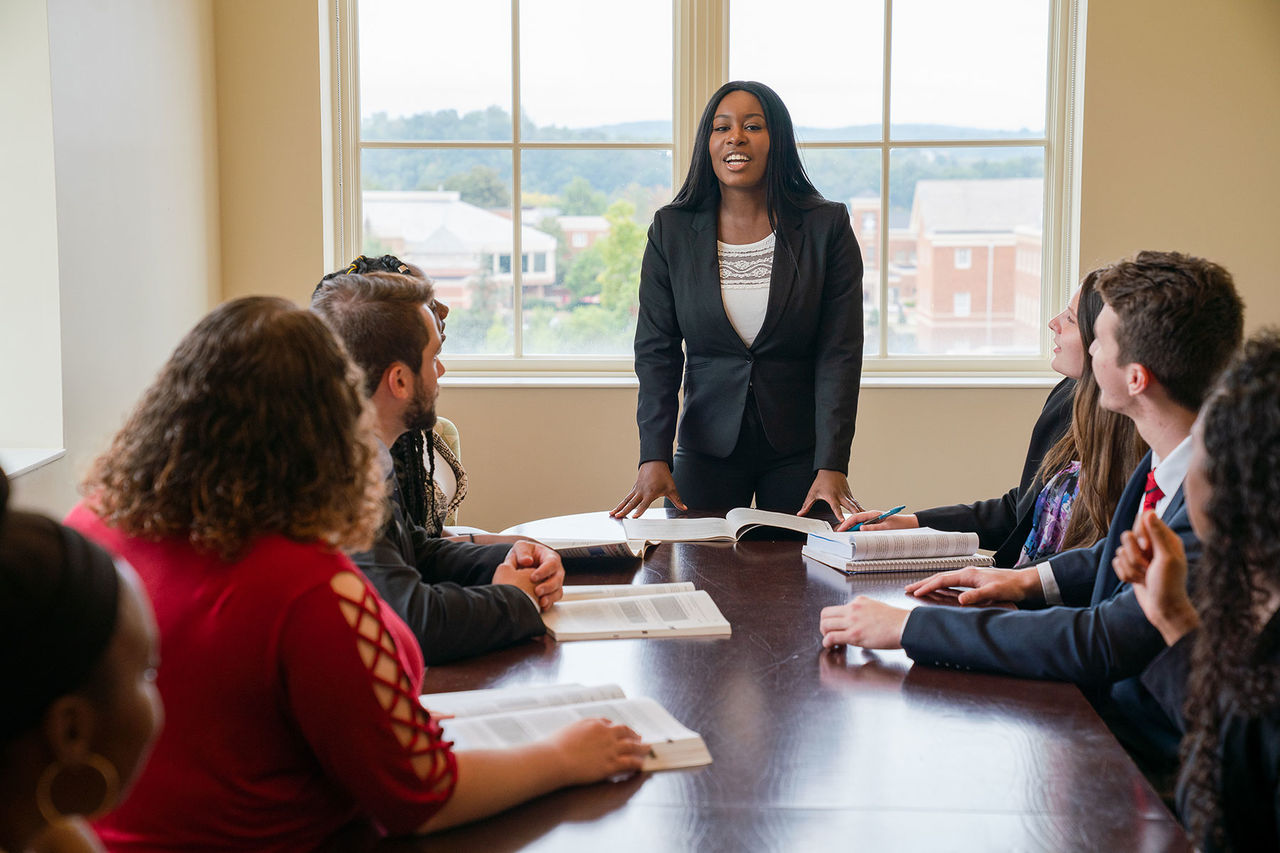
[{"x": 593, "y": 62}]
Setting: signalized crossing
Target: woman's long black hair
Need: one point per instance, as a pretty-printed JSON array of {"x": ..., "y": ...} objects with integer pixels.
[
  {"x": 1231, "y": 668},
  {"x": 787, "y": 185}
]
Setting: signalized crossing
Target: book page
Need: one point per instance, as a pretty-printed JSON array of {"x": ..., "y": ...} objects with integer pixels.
[
  {"x": 676, "y": 529},
  {"x": 579, "y": 592},
  {"x": 647, "y": 718},
  {"x": 579, "y": 548},
  {"x": 743, "y": 519},
  {"x": 501, "y": 700},
  {"x": 683, "y": 612}
]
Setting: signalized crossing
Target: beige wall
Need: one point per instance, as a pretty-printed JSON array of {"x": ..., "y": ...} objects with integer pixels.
[
  {"x": 1181, "y": 121},
  {"x": 537, "y": 451},
  {"x": 134, "y": 151},
  {"x": 273, "y": 140}
]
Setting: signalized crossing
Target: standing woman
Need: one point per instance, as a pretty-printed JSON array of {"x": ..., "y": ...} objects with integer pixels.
[{"x": 759, "y": 278}]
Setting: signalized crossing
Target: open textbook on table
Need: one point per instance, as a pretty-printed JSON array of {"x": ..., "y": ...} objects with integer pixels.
[
  {"x": 512, "y": 716},
  {"x": 919, "y": 550},
  {"x": 622, "y": 611},
  {"x": 735, "y": 523}
]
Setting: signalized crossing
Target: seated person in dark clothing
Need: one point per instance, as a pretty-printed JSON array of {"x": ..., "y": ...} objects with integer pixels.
[
  {"x": 1219, "y": 678},
  {"x": 460, "y": 599},
  {"x": 1170, "y": 325}
]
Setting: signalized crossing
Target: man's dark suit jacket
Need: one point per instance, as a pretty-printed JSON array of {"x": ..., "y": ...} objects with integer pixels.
[
  {"x": 1099, "y": 638},
  {"x": 804, "y": 368},
  {"x": 443, "y": 589},
  {"x": 1248, "y": 746},
  {"x": 1003, "y": 523}
]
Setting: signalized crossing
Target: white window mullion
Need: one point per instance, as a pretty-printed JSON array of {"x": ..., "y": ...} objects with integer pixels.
[
  {"x": 883, "y": 236},
  {"x": 517, "y": 247},
  {"x": 701, "y": 53}
]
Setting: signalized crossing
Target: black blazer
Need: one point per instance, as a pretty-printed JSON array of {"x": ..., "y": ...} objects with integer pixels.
[
  {"x": 1249, "y": 748},
  {"x": 1100, "y": 639},
  {"x": 1003, "y": 523},
  {"x": 805, "y": 366},
  {"x": 443, "y": 590}
]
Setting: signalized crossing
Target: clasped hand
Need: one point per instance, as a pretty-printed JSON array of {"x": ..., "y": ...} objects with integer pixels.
[{"x": 534, "y": 568}]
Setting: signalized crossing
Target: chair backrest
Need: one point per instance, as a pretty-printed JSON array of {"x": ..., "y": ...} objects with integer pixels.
[{"x": 448, "y": 431}]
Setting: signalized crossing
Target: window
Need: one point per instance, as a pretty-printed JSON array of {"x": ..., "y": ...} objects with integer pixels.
[
  {"x": 949, "y": 123},
  {"x": 960, "y": 303}
]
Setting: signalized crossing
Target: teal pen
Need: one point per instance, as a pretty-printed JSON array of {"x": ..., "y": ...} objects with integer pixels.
[{"x": 881, "y": 517}]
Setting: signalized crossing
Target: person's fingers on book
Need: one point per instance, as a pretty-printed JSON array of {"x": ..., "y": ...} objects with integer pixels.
[
  {"x": 675, "y": 499},
  {"x": 625, "y": 505}
]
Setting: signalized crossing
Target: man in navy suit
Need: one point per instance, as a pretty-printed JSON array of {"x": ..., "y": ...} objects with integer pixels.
[{"x": 1170, "y": 325}]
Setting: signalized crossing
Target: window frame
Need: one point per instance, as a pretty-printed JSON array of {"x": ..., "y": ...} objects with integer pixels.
[{"x": 700, "y": 60}]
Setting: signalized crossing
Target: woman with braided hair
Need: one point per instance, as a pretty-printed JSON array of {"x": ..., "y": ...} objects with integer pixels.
[
  {"x": 1220, "y": 676},
  {"x": 80, "y": 706},
  {"x": 420, "y": 455}
]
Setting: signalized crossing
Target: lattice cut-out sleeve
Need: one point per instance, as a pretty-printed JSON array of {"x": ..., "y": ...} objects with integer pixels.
[{"x": 351, "y": 674}]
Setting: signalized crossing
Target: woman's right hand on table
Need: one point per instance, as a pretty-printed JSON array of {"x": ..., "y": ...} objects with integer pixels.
[
  {"x": 653, "y": 481},
  {"x": 594, "y": 749}
]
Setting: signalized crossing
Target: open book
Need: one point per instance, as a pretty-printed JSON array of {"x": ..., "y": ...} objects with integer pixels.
[
  {"x": 576, "y": 549},
  {"x": 512, "y": 716},
  {"x": 920, "y": 550},
  {"x": 619, "y": 611},
  {"x": 735, "y": 523}
]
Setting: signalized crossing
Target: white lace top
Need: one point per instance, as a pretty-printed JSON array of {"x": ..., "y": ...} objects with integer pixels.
[{"x": 744, "y": 284}]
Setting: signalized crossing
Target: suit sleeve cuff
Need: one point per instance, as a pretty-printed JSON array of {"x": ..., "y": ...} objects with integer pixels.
[{"x": 1049, "y": 584}]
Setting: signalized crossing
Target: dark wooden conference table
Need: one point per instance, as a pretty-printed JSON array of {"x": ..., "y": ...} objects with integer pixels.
[{"x": 813, "y": 749}]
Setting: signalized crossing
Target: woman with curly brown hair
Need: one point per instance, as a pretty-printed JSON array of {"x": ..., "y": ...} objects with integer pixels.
[
  {"x": 1221, "y": 675},
  {"x": 291, "y": 687}
]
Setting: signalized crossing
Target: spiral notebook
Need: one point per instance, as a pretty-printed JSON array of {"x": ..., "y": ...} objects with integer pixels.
[{"x": 910, "y": 565}]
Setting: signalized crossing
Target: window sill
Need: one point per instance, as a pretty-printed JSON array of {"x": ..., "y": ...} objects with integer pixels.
[
  {"x": 869, "y": 380},
  {"x": 17, "y": 461}
]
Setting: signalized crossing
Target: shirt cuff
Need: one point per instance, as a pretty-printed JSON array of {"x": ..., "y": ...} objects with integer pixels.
[{"x": 1049, "y": 584}]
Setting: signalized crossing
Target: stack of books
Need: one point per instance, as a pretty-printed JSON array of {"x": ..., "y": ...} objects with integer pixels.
[{"x": 920, "y": 550}]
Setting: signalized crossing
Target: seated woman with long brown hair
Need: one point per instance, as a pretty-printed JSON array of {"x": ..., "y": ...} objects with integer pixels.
[
  {"x": 80, "y": 708},
  {"x": 1079, "y": 479},
  {"x": 292, "y": 688}
]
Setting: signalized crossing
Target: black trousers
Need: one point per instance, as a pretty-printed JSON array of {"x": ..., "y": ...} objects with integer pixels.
[{"x": 777, "y": 481}]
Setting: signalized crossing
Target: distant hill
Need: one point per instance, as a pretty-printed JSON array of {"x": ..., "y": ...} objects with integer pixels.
[
  {"x": 838, "y": 174},
  {"x": 646, "y": 131}
]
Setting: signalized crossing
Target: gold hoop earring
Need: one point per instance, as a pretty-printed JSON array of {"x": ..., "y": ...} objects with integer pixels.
[{"x": 44, "y": 787}]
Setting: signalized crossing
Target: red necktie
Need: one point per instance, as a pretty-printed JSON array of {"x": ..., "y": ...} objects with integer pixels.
[{"x": 1152, "y": 495}]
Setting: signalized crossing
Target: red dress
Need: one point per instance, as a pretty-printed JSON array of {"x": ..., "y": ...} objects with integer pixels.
[{"x": 290, "y": 693}]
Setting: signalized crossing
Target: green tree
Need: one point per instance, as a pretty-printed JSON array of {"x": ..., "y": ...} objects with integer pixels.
[
  {"x": 581, "y": 199},
  {"x": 621, "y": 253},
  {"x": 480, "y": 186},
  {"x": 583, "y": 276}
]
